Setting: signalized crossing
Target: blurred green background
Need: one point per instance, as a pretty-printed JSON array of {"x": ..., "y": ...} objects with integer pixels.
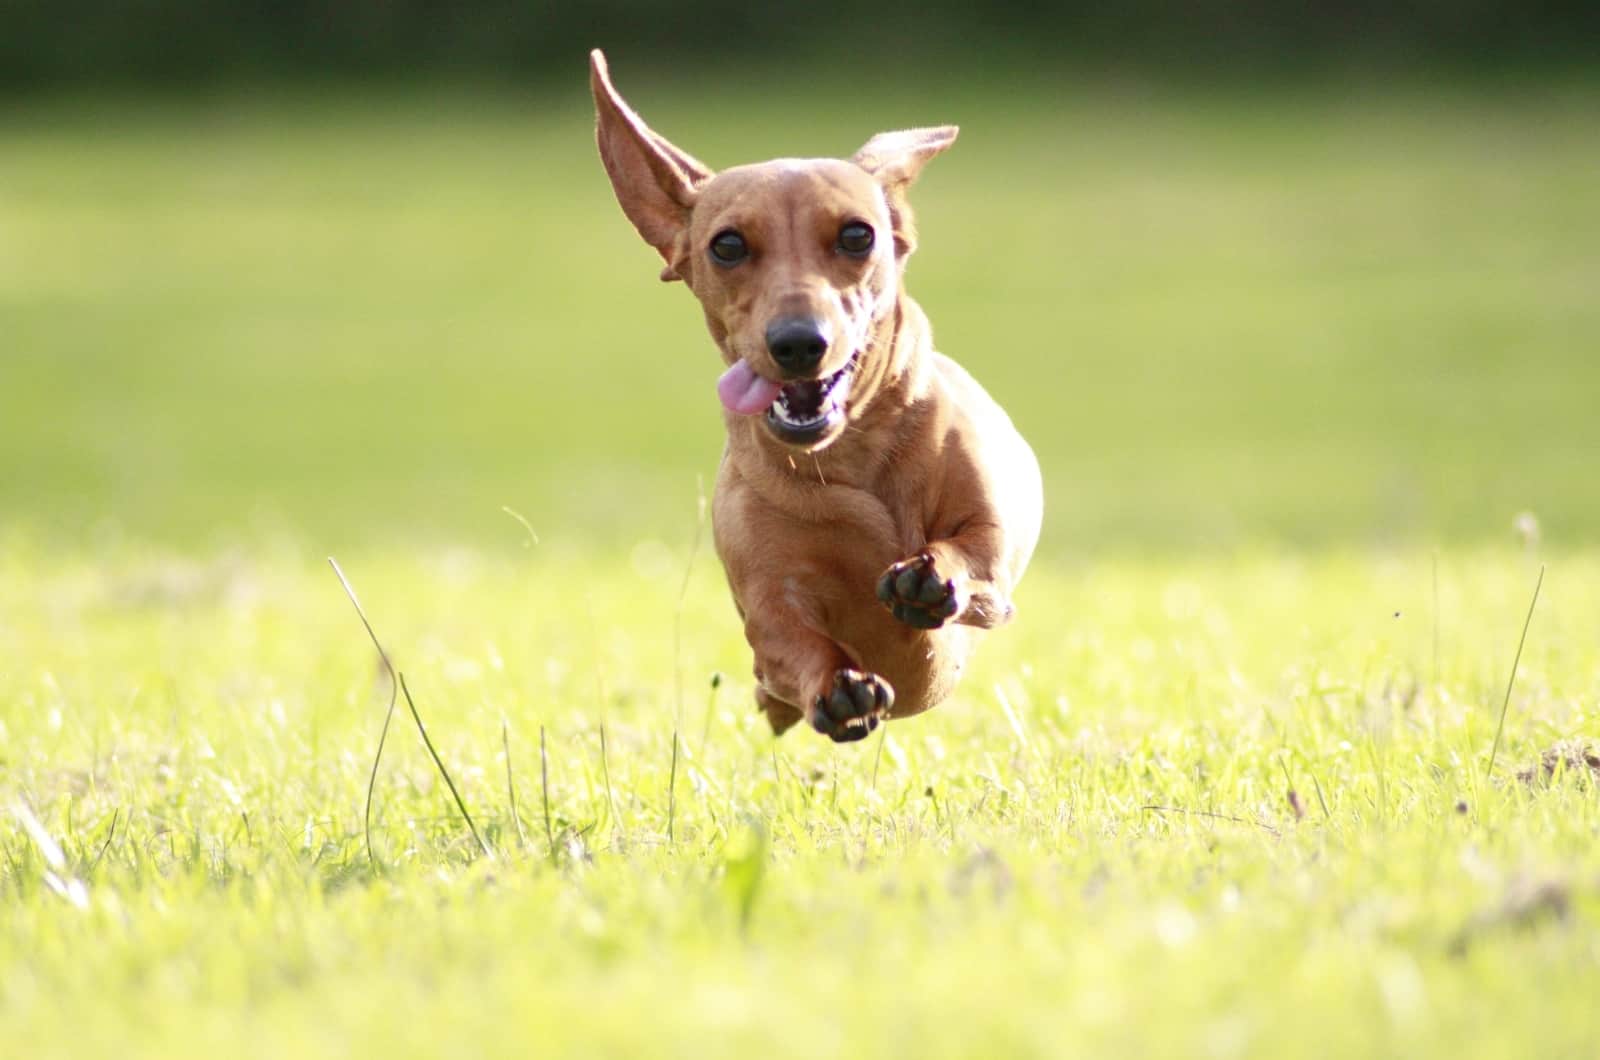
[{"x": 1309, "y": 281}]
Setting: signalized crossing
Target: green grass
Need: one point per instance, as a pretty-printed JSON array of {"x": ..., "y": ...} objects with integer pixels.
[
  {"x": 1322, "y": 319},
  {"x": 1293, "y": 364},
  {"x": 199, "y": 738}
]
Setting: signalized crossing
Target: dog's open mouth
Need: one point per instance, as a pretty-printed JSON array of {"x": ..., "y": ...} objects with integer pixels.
[{"x": 806, "y": 410}]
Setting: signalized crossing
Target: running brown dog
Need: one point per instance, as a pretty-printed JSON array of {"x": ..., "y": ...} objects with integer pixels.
[{"x": 874, "y": 508}]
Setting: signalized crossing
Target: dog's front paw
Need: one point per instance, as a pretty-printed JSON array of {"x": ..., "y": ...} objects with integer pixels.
[
  {"x": 852, "y": 706},
  {"x": 916, "y": 594}
]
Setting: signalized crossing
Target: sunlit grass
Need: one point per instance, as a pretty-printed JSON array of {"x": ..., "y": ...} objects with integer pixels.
[{"x": 991, "y": 877}]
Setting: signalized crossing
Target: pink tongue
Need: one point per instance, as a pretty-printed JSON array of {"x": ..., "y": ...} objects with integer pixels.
[{"x": 744, "y": 392}]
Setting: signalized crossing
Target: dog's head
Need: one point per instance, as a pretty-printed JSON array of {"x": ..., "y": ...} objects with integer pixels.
[{"x": 797, "y": 262}]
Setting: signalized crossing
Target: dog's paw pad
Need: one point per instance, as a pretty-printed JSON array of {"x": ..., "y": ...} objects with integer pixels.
[
  {"x": 916, "y": 594},
  {"x": 853, "y": 705}
]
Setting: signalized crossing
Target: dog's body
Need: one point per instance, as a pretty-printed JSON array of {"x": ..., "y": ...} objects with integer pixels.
[{"x": 875, "y": 507}]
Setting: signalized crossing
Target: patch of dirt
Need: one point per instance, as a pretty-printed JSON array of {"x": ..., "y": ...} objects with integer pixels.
[
  {"x": 1570, "y": 757},
  {"x": 985, "y": 870},
  {"x": 1527, "y": 903}
]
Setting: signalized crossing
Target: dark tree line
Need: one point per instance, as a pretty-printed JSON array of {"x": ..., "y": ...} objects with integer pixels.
[{"x": 53, "y": 42}]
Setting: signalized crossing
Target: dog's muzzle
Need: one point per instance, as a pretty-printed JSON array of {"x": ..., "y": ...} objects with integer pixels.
[{"x": 809, "y": 410}]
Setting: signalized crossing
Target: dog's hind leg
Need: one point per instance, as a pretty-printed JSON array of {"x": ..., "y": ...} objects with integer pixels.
[{"x": 780, "y": 715}]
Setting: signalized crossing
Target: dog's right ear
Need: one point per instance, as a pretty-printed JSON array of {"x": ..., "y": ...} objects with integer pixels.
[{"x": 656, "y": 183}]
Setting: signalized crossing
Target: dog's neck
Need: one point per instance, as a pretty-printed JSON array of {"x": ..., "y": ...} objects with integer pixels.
[{"x": 877, "y": 429}]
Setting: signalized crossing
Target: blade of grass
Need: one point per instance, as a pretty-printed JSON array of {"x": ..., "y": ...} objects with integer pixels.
[
  {"x": 672, "y": 789},
  {"x": 600, "y": 692},
  {"x": 533, "y": 537},
  {"x": 1511, "y": 681},
  {"x": 388, "y": 714},
  {"x": 1289, "y": 791},
  {"x": 605, "y": 772},
  {"x": 1317, "y": 787},
  {"x": 400, "y": 679},
  {"x": 511, "y": 787},
  {"x": 711, "y": 706},
  {"x": 1210, "y": 816},
  {"x": 461, "y": 804},
  {"x": 110, "y": 834},
  {"x": 544, "y": 787}
]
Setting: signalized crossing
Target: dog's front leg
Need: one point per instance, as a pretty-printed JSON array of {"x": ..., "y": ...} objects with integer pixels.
[
  {"x": 956, "y": 579},
  {"x": 804, "y": 674}
]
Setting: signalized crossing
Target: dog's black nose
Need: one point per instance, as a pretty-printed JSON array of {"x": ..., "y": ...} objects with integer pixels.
[{"x": 797, "y": 344}]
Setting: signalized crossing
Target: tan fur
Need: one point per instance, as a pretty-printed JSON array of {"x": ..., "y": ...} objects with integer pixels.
[{"x": 924, "y": 469}]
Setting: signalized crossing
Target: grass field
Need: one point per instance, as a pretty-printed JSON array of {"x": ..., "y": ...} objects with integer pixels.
[{"x": 1295, "y": 364}]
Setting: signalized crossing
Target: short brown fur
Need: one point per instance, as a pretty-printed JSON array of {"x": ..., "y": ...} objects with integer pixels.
[{"x": 920, "y": 507}]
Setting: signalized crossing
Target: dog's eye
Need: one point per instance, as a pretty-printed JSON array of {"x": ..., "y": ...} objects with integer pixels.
[
  {"x": 728, "y": 247},
  {"x": 855, "y": 238}
]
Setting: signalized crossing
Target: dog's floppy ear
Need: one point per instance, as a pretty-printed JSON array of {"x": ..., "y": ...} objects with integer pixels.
[
  {"x": 656, "y": 183},
  {"x": 895, "y": 159}
]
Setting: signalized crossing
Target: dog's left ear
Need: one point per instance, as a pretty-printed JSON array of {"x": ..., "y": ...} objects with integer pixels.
[{"x": 895, "y": 159}]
